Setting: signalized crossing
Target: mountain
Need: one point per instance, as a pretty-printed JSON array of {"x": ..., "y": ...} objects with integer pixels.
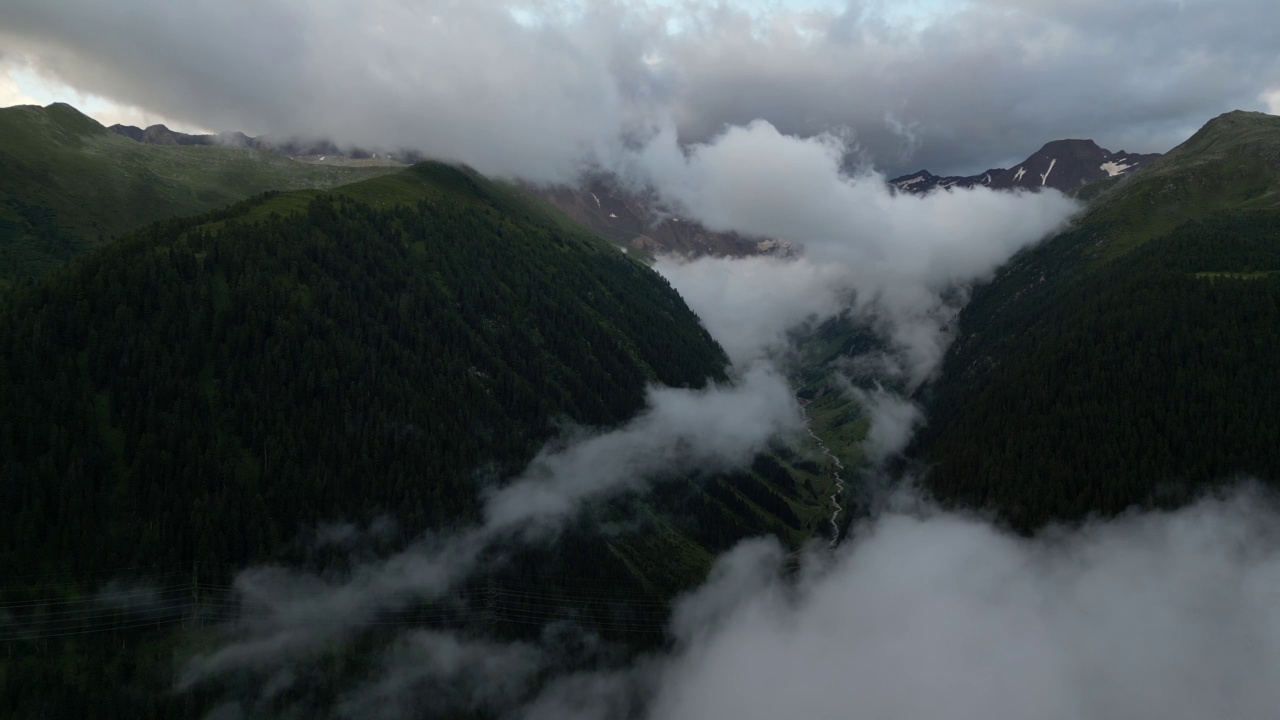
[
  {"x": 636, "y": 220},
  {"x": 415, "y": 326},
  {"x": 1065, "y": 165},
  {"x": 67, "y": 183},
  {"x": 322, "y": 149},
  {"x": 1131, "y": 359},
  {"x": 161, "y": 135},
  {"x": 923, "y": 181},
  {"x": 383, "y": 349}
]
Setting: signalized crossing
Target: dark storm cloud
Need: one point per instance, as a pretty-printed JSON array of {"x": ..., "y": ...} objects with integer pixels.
[{"x": 531, "y": 87}]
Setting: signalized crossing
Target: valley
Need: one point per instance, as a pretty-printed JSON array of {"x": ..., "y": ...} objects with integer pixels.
[{"x": 313, "y": 413}]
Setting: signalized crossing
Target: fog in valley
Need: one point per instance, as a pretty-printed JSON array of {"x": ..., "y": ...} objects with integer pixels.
[{"x": 778, "y": 124}]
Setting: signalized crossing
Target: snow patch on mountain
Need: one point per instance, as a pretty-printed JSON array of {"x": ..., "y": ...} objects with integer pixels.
[
  {"x": 1116, "y": 167},
  {"x": 1063, "y": 165},
  {"x": 1045, "y": 177}
]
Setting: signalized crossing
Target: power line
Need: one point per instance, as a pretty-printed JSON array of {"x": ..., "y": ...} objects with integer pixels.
[{"x": 175, "y": 604}]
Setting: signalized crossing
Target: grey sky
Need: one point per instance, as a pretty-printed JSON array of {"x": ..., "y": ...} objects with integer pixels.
[{"x": 531, "y": 87}]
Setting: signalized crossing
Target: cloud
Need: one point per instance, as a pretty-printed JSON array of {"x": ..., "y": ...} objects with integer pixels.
[
  {"x": 1271, "y": 98},
  {"x": 21, "y": 83},
  {"x": 894, "y": 421},
  {"x": 11, "y": 91},
  {"x": 440, "y": 670},
  {"x": 530, "y": 87},
  {"x": 289, "y": 615},
  {"x": 715, "y": 429},
  {"x": 903, "y": 257},
  {"x": 748, "y": 304},
  {"x": 1158, "y": 615}
]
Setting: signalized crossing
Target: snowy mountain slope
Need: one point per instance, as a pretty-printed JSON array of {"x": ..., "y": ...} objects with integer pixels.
[{"x": 1062, "y": 164}]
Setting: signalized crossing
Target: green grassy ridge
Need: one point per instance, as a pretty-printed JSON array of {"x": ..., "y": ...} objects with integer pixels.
[
  {"x": 440, "y": 180},
  {"x": 1232, "y": 163},
  {"x": 67, "y": 183}
]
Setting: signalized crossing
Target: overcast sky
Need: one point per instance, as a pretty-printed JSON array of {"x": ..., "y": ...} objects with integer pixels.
[{"x": 532, "y": 87}]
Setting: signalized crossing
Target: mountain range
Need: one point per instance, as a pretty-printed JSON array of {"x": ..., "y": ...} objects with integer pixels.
[
  {"x": 638, "y": 221},
  {"x": 1066, "y": 165},
  {"x": 162, "y": 135},
  {"x": 208, "y": 351},
  {"x": 633, "y": 219},
  {"x": 67, "y": 184},
  {"x": 392, "y": 345}
]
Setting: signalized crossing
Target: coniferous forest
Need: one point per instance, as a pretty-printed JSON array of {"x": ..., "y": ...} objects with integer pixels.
[
  {"x": 1079, "y": 386},
  {"x": 203, "y": 393}
]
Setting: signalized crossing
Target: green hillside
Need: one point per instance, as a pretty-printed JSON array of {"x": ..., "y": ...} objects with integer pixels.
[
  {"x": 345, "y": 348},
  {"x": 204, "y": 392},
  {"x": 1132, "y": 359},
  {"x": 1232, "y": 163},
  {"x": 66, "y": 182}
]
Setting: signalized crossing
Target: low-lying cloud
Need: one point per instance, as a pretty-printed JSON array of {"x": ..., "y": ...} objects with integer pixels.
[
  {"x": 288, "y": 615},
  {"x": 709, "y": 430},
  {"x": 1160, "y": 615},
  {"x": 749, "y": 304},
  {"x": 1156, "y": 615},
  {"x": 902, "y": 262},
  {"x": 531, "y": 88}
]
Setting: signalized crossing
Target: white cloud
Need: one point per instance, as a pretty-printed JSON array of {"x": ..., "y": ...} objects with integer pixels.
[
  {"x": 710, "y": 430},
  {"x": 11, "y": 92},
  {"x": 1271, "y": 99},
  {"x": 974, "y": 84},
  {"x": 1168, "y": 616},
  {"x": 749, "y": 304},
  {"x": 21, "y": 83},
  {"x": 289, "y": 615},
  {"x": 898, "y": 254}
]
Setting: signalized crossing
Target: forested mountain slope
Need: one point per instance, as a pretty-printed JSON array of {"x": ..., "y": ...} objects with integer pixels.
[
  {"x": 174, "y": 394},
  {"x": 207, "y": 391},
  {"x": 1132, "y": 359},
  {"x": 66, "y": 182}
]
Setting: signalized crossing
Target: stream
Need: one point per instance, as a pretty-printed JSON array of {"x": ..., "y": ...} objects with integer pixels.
[{"x": 836, "y": 508}]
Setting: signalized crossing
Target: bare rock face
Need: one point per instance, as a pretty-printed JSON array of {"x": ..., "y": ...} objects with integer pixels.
[{"x": 640, "y": 221}]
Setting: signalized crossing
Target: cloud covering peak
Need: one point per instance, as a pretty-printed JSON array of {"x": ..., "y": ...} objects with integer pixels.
[{"x": 534, "y": 87}]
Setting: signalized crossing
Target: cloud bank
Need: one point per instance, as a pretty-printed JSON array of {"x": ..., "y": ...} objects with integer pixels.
[
  {"x": 1166, "y": 616},
  {"x": 531, "y": 87},
  {"x": 899, "y": 256}
]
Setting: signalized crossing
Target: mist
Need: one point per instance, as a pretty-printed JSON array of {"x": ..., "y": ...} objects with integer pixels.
[
  {"x": 1152, "y": 615},
  {"x": 713, "y": 430},
  {"x": 291, "y": 615},
  {"x": 919, "y": 613},
  {"x": 535, "y": 88},
  {"x": 900, "y": 262}
]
